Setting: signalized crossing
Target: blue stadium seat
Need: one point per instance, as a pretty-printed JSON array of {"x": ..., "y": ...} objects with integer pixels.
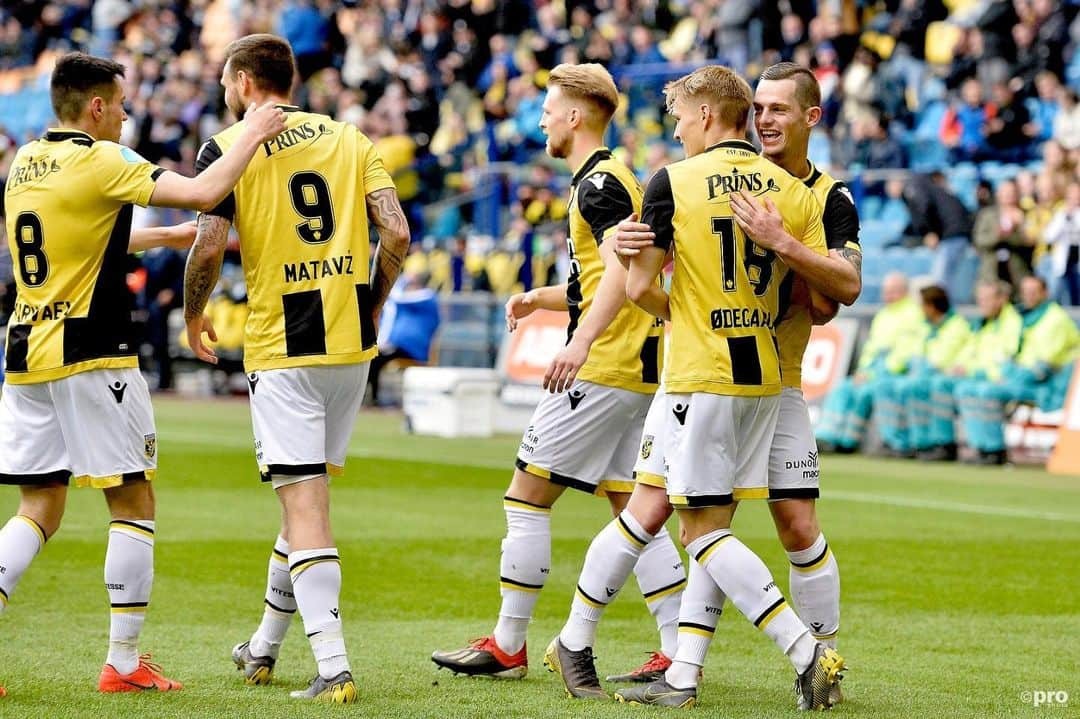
[
  {"x": 918, "y": 262},
  {"x": 879, "y": 233},
  {"x": 963, "y": 283},
  {"x": 820, "y": 150},
  {"x": 871, "y": 292},
  {"x": 870, "y": 208},
  {"x": 996, "y": 172},
  {"x": 966, "y": 188},
  {"x": 923, "y": 146},
  {"x": 895, "y": 211},
  {"x": 873, "y": 262}
]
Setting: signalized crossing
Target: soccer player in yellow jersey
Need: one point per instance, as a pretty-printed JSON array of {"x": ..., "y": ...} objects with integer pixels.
[
  {"x": 586, "y": 437},
  {"x": 302, "y": 211},
  {"x": 74, "y": 403},
  {"x": 723, "y": 379},
  {"x": 787, "y": 98}
]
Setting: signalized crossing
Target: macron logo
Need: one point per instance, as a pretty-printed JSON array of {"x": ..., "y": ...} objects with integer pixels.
[{"x": 598, "y": 180}]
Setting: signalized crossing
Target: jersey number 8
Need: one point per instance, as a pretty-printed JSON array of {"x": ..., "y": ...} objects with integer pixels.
[
  {"x": 311, "y": 200},
  {"x": 754, "y": 258},
  {"x": 30, "y": 242}
]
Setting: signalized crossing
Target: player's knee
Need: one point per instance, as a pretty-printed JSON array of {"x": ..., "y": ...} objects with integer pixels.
[
  {"x": 133, "y": 499},
  {"x": 45, "y": 506},
  {"x": 799, "y": 531},
  {"x": 531, "y": 488},
  {"x": 650, "y": 508},
  {"x": 48, "y": 518}
]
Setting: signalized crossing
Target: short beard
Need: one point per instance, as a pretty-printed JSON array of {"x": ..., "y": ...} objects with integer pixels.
[
  {"x": 558, "y": 152},
  {"x": 239, "y": 111}
]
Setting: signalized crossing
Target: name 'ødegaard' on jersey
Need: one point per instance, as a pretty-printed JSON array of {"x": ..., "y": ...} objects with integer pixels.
[
  {"x": 69, "y": 203},
  {"x": 300, "y": 212},
  {"x": 629, "y": 353},
  {"x": 725, "y": 289},
  {"x": 841, "y": 222}
]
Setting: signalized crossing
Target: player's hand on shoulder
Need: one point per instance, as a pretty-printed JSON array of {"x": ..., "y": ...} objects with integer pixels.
[
  {"x": 265, "y": 122},
  {"x": 519, "y": 306},
  {"x": 762, "y": 223},
  {"x": 195, "y": 329},
  {"x": 631, "y": 236}
]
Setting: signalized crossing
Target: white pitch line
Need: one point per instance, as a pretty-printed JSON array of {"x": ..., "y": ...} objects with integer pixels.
[{"x": 946, "y": 506}]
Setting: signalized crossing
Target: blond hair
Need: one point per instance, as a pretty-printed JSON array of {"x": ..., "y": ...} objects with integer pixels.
[
  {"x": 590, "y": 82},
  {"x": 721, "y": 87}
]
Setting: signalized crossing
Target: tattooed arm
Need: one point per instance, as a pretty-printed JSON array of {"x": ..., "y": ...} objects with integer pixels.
[
  {"x": 386, "y": 215},
  {"x": 200, "y": 278}
]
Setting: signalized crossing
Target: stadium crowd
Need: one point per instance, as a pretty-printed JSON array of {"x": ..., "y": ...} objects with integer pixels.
[
  {"x": 985, "y": 89},
  {"x": 957, "y": 123}
]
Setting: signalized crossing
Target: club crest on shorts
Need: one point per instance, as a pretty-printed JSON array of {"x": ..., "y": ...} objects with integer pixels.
[
  {"x": 149, "y": 445},
  {"x": 646, "y": 446}
]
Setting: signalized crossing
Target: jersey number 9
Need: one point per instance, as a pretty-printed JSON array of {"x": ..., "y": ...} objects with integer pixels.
[
  {"x": 757, "y": 262},
  {"x": 311, "y": 200},
  {"x": 30, "y": 242}
]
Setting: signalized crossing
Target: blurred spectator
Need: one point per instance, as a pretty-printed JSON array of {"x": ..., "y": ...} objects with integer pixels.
[
  {"x": 407, "y": 327},
  {"x": 1067, "y": 121},
  {"x": 901, "y": 400},
  {"x": 1062, "y": 236},
  {"x": 1046, "y": 104},
  {"x": 307, "y": 29},
  {"x": 889, "y": 344},
  {"x": 963, "y": 123},
  {"x": 873, "y": 147},
  {"x": 946, "y": 336},
  {"x": 1039, "y": 374},
  {"x": 1037, "y": 216},
  {"x": 944, "y": 225},
  {"x": 1004, "y": 252},
  {"x": 994, "y": 342},
  {"x": 1009, "y": 130}
]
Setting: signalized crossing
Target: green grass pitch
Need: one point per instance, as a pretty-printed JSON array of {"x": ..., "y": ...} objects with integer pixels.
[{"x": 957, "y": 590}]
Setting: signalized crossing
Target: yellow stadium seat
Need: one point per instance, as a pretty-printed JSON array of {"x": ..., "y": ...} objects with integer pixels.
[
  {"x": 502, "y": 271},
  {"x": 439, "y": 269},
  {"x": 941, "y": 38}
]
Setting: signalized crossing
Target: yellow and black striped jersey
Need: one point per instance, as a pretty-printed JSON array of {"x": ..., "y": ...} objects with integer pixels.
[
  {"x": 725, "y": 289},
  {"x": 300, "y": 212},
  {"x": 629, "y": 353},
  {"x": 69, "y": 202},
  {"x": 841, "y": 221}
]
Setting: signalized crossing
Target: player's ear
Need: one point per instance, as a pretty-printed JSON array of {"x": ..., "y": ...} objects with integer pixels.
[
  {"x": 97, "y": 107},
  {"x": 813, "y": 116},
  {"x": 574, "y": 117},
  {"x": 708, "y": 115}
]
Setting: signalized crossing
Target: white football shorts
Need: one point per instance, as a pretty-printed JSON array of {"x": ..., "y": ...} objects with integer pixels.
[
  {"x": 718, "y": 448},
  {"x": 97, "y": 426},
  {"x": 586, "y": 438},
  {"x": 303, "y": 418},
  {"x": 794, "y": 472}
]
